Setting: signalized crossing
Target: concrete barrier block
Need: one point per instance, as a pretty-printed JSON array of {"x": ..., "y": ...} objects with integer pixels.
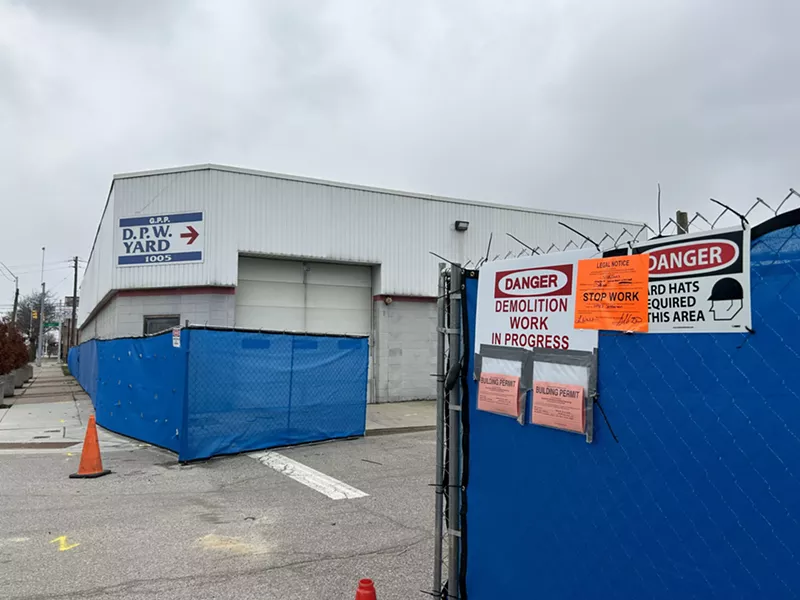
[{"x": 8, "y": 385}]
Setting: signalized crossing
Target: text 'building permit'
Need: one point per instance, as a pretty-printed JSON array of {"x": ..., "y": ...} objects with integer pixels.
[{"x": 160, "y": 239}]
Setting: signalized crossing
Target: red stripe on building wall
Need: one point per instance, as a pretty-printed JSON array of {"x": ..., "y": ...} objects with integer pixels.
[
  {"x": 178, "y": 291},
  {"x": 383, "y": 297}
]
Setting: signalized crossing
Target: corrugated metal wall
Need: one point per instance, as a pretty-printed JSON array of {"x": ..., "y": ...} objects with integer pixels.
[
  {"x": 97, "y": 278},
  {"x": 171, "y": 193},
  {"x": 262, "y": 214}
]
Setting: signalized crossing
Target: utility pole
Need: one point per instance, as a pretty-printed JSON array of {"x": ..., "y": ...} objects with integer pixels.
[
  {"x": 73, "y": 329},
  {"x": 16, "y": 296},
  {"x": 41, "y": 329},
  {"x": 60, "y": 312},
  {"x": 16, "y": 301},
  {"x": 41, "y": 319}
]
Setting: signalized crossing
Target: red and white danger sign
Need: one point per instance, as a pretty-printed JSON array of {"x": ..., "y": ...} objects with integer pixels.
[
  {"x": 530, "y": 303},
  {"x": 700, "y": 282}
]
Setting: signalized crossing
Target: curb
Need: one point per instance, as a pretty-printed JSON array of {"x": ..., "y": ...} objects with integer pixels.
[{"x": 393, "y": 430}]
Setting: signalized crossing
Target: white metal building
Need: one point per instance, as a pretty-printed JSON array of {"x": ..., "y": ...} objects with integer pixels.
[{"x": 231, "y": 247}]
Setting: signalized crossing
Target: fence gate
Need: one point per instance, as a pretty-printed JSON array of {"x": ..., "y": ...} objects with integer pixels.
[
  {"x": 449, "y": 389},
  {"x": 690, "y": 487}
]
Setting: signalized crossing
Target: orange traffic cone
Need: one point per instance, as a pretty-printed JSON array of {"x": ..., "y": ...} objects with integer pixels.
[
  {"x": 91, "y": 464},
  {"x": 366, "y": 590}
]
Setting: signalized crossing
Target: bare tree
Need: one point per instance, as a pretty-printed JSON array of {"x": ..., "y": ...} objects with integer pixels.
[{"x": 28, "y": 304}]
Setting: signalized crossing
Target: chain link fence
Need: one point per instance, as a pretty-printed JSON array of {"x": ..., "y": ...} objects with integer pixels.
[
  {"x": 210, "y": 392},
  {"x": 688, "y": 489},
  {"x": 249, "y": 390}
]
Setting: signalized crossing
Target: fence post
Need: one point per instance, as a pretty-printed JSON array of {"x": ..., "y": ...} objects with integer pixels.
[
  {"x": 440, "y": 376},
  {"x": 682, "y": 219},
  {"x": 454, "y": 443},
  {"x": 291, "y": 383},
  {"x": 184, "y": 434}
]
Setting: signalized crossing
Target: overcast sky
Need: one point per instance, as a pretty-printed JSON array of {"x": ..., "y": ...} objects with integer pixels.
[{"x": 568, "y": 105}]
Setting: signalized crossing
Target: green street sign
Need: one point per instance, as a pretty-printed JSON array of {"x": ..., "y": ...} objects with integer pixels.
[{"x": 52, "y": 324}]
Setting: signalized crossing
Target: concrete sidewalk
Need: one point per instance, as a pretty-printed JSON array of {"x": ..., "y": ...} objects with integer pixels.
[
  {"x": 401, "y": 417},
  {"x": 50, "y": 414}
]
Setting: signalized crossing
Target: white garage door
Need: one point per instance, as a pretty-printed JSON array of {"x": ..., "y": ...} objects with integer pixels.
[{"x": 283, "y": 295}]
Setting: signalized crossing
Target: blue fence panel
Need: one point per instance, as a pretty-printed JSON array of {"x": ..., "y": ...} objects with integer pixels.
[
  {"x": 84, "y": 366},
  {"x": 700, "y": 497},
  {"x": 140, "y": 389},
  {"x": 248, "y": 391},
  {"x": 329, "y": 387},
  {"x": 238, "y": 392},
  {"x": 73, "y": 357},
  {"x": 224, "y": 392}
]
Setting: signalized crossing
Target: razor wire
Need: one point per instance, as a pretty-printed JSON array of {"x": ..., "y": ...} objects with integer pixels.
[{"x": 758, "y": 211}]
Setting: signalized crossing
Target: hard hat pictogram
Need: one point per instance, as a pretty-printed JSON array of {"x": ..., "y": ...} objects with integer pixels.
[
  {"x": 727, "y": 299},
  {"x": 727, "y": 289}
]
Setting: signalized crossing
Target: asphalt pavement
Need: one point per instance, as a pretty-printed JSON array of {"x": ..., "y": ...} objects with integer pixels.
[{"x": 226, "y": 528}]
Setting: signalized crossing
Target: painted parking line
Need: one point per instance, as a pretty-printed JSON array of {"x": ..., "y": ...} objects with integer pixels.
[{"x": 324, "y": 484}]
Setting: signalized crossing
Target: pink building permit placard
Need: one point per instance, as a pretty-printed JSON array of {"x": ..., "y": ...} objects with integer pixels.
[
  {"x": 559, "y": 405},
  {"x": 499, "y": 394}
]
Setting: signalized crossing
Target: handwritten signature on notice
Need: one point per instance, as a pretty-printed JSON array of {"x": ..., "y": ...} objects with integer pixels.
[{"x": 628, "y": 319}]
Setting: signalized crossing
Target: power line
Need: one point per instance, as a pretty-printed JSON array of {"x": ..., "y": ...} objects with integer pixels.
[
  {"x": 48, "y": 263},
  {"x": 56, "y": 286},
  {"x": 45, "y": 270}
]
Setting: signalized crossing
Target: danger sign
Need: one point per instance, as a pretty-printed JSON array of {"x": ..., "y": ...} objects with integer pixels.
[
  {"x": 530, "y": 303},
  {"x": 699, "y": 283},
  {"x": 534, "y": 282}
]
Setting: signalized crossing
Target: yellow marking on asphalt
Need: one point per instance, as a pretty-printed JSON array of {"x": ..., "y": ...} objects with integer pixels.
[
  {"x": 62, "y": 543},
  {"x": 231, "y": 544}
]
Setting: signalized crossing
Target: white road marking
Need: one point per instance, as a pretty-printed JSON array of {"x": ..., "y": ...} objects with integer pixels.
[
  {"x": 324, "y": 484},
  {"x": 14, "y": 540}
]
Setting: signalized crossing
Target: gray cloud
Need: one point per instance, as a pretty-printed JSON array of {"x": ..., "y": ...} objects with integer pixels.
[{"x": 564, "y": 105}]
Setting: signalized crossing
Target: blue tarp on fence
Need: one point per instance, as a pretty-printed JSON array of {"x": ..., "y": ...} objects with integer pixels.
[
  {"x": 701, "y": 496},
  {"x": 140, "y": 389},
  {"x": 82, "y": 362},
  {"x": 224, "y": 392},
  {"x": 286, "y": 389}
]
